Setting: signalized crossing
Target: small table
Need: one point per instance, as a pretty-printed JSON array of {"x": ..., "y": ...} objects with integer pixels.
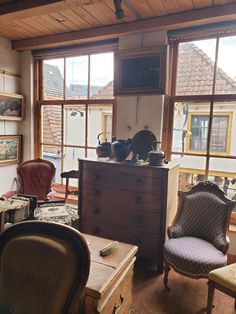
[{"x": 109, "y": 287}]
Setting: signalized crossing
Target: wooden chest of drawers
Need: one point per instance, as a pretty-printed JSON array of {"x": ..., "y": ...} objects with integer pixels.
[{"x": 128, "y": 203}]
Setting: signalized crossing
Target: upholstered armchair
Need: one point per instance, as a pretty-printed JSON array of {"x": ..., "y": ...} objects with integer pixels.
[
  {"x": 197, "y": 238},
  {"x": 35, "y": 178},
  {"x": 44, "y": 268}
]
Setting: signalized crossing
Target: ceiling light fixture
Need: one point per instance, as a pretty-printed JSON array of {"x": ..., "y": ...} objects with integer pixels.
[{"x": 118, "y": 10}]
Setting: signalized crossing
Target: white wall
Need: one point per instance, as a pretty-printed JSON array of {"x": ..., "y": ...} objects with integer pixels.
[
  {"x": 27, "y": 125},
  {"x": 135, "y": 113},
  {"x": 9, "y": 61}
]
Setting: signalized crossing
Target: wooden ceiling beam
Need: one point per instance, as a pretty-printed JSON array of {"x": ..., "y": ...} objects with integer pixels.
[
  {"x": 174, "y": 21},
  {"x": 28, "y": 8}
]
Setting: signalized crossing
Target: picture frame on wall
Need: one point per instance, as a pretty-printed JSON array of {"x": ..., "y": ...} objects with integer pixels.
[
  {"x": 10, "y": 149},
  {"x": 140, "y": 71},
  {"x": 11, "y": 107}
]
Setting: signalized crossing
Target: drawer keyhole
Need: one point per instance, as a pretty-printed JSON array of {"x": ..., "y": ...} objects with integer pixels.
[
  {"x": 138, "y": 200},
  {"x": 138, "y": 219},
  {"x": 97, "y": 192},
  {"x": 96, "y": 210},
  {"x": 138, "y": 182},
  {"x": 97, "y": 176},
  {"x": 95, "y": 230}
]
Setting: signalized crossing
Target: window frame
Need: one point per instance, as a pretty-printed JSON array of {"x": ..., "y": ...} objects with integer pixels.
[
  {"x": 171, "y": 98},
  {"x": 215, "y": 114},
  {"x": 39, "y": 102}
]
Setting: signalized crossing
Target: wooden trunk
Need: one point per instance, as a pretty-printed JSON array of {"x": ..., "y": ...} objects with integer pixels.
[
  {"x": 109, "y": 287},
  {"x": 129, "y": 203}
]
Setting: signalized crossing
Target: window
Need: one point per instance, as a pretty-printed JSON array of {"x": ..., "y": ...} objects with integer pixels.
[
  {"x": 198, "y": 132},
  {"x": 203, "y": 106},
  {"x": 75, "y": 104}
]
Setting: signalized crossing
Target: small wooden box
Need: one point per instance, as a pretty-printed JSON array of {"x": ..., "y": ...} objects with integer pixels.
[{"x": 109, "y": 287}]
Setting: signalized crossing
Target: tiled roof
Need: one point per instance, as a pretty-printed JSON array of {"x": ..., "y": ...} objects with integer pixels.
[
  {"x": 53, "y": 83},
  {"x": 195, "y": 73},
  {"x": 82, "y": 90},
  {"x": 51, "y": 127},
  {"x": 105, "y": 93}
]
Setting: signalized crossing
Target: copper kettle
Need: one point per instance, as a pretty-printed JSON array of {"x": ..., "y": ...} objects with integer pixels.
[{"x": 103, "y": 149}]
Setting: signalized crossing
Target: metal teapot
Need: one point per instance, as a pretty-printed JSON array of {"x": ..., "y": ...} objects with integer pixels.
[
  {"x": 103, "y": 149},
  {"x": 120, "y": 149},
  {"x": 156, "y": 156}
]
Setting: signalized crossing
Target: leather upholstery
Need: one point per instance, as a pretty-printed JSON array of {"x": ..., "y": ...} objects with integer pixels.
[
  {"x": 36, "y": 177},
  {"x": 41, "y": 270}
]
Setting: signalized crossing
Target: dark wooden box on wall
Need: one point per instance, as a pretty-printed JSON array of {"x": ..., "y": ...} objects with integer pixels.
[{"x": 129, "y": 203}]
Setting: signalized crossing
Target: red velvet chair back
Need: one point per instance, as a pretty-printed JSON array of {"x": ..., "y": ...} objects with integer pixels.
[{"x": 36, "y": 177}]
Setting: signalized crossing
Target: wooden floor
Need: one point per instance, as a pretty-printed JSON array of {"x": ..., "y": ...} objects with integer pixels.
[{"x": 187, "y": 296}]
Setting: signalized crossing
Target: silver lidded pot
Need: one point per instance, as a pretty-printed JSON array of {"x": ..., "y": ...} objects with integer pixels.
[{"x": 156, "y": 156}]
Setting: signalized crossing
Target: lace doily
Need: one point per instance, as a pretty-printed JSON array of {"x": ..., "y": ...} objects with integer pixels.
[{"x": 61, "y": 213}]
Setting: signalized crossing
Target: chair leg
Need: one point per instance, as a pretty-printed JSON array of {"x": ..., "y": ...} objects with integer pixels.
[
  {"x": 235, "y": 303},
  {"x": 211, "y": 292},
  {"x": 166, "y": 273}
]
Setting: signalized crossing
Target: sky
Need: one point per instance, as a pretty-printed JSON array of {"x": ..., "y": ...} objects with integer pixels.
[{"x": 102, "y": 69}]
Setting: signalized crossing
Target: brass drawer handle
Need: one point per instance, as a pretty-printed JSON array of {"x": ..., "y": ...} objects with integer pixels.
[
  {"x": 138, "y": 220},
  {"x": 117, "y": 307},
  {"x": 95, "y": 230},
  {"x": 138, "y": 199},
  {"x": 136, "y": 241},
  {"x": 97, "y": 192},
  {"x": 138, "y": 182},
  {"x": 97, "y": 176},
  {"x": 96, "y": 210}
]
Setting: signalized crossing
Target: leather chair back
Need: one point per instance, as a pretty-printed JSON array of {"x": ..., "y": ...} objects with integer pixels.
[{"x": 44, "y": 268}]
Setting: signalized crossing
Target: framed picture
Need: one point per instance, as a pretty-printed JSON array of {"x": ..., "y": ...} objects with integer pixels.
[
  {"x": 10, "y": 148},
  {"x": 140, "y": 71},
  {"x": 11, "y": 106}
]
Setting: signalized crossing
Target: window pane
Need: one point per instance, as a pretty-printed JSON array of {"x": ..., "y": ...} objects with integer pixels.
[
  {"x": 92, "y": 153},
  {"x": 51, "y": 124},
  {"x": 101, "y": 76},
  {"x": 195, "y": 68},
  {"x": 190, "y": 128},
  {"x": 97, "y": 123},
  {"x": 74, "y": 125},
  {"x": 53, "y": 79},
  {"x": 71, "y": 156},
  {"x": 223, "y": 172},
  {"x": 226, "y": 66},
  {"x": 223, "y": 128},
  {"x": 192, "y": 170},
  {"x": 77, "y": 77},
  {"x": 53, "y": 154}
]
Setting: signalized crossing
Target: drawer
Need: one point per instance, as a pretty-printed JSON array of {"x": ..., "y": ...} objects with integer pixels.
[
  {"x": 117, "y": 167},
  {"x": 133, "y": 218},
  {"x": 140, "y": 183},
  {"x": 149, "y": 245},
  {"x": 99, "y": 176},
  {"x": 121, "y": 198},
  {"x": 118, "y": 298},
  {"x": 123, "y": 180}
]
